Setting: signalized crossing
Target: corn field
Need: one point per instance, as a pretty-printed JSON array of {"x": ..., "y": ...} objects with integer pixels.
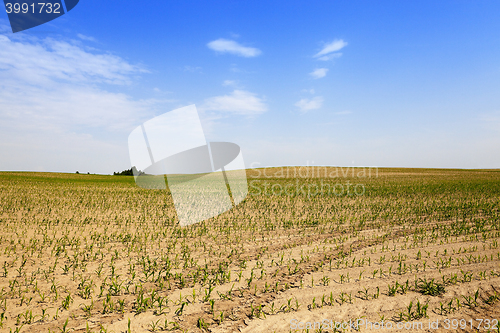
[{"x": 96, "y": 253}]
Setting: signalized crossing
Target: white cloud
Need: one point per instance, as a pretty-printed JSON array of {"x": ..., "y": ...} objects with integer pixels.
[
  {"x": 230, "y": 46},
  {"x": 48, "y": 60},
  {"x": 238, "y": 102},
  {"x": 330, "y": 56},
  {"x": 68, "y": 128},
  {"x": 343, "y": 112},
  {"x": 306, "y": 104},
  {"x": 71, "y": 107},
  {"x": 310, "y": 91},
  {"x": 319, "y": 73},
  {"x": 50, "y": 79},
  {"x": 90, "y": 39},
  {"x": 55, "y": 100},
  {"x": 192, "y": 69},
  {"x": 329, "y": 48},
  {"x": 229, "y": 83},
  {"x": 235, "y": 69}
]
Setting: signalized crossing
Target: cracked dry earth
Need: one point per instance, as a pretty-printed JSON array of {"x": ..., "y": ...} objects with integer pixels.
[{"x": 91, "y": 253}]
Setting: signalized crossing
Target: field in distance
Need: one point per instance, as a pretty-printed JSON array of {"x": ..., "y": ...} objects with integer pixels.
[{"x": 94, "y": 253}]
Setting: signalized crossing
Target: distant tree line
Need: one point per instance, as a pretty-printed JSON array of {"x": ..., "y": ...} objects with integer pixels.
[{"x": 129, "y": 172}]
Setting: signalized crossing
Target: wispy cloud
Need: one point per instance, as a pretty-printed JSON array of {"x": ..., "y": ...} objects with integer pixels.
[
  {"x": 192, "y": 69},
  {"x": 235, "y": 69},
  {"x": 55, "y": 89},
  {"x": 88, "y": 38},
  {"x": 306, "y": 104},
  {"x": 311, "y": 91},
  {"x": 60, "y": 87},
  {"x": 343, "y": 112},
  {"x": 238, "y": 102},
  {"x": 327, "y": 52},
  {"x": 318, "y": 73},
  {"x": 231, "y": 83},
  {"x": 230, "y": 46},
  {"x": 330, "y": 56},
  {"x": 45, "y": 60}
]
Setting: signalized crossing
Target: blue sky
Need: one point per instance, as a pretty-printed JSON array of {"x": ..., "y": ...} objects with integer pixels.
[{"x": 364, "y": 83}]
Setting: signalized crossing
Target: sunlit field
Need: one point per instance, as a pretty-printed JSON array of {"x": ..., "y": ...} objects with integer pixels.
[{"x": 91, "y": 253}]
